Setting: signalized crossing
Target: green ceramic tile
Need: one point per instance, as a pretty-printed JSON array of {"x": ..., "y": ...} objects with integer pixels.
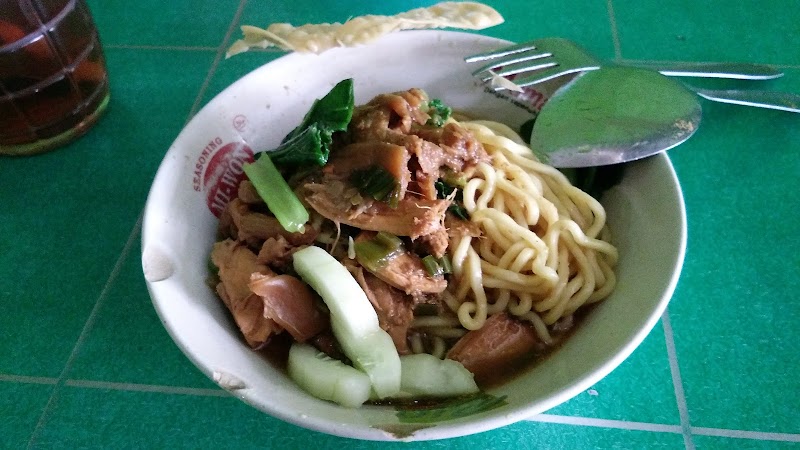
[
  {"x": 95, "y": 418},
  {"x": 153, "y": 22},
  {"x": 639, "y": 390},
  {"x": 128, "y": 342},
  {"x": 735, "y": 312},
  {"x": 21, "y": 405},
  {"x": 586, "y": 22},
  {"x": 84, "y": 200},
  {"x": 234, "y": 68},
  {"x": 713, "y": 30},
  {"x": 727, "y": 443}
]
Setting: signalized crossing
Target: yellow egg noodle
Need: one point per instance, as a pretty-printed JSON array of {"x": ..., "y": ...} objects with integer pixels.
[
  {"x": 544, "y": 248},
  {"x": 316, "y": 38}
]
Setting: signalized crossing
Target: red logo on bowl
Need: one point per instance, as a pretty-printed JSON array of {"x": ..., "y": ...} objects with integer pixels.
[{"x": 223, "y": 173}]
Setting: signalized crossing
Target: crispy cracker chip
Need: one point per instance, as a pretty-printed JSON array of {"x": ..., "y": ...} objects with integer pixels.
[{"x": 316, "y": 38}]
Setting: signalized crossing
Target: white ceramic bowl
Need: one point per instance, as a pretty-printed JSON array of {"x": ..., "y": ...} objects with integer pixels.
[{"x": 646, "y": 215}]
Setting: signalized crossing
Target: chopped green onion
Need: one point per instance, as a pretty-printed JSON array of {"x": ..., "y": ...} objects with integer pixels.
[
  {"x": 447, "y": 267},
  {"x": 432, "y": 266},
  {"x": 277, "y": 194},
  {"x": 388, "y": 240},
  {"x": 376, "y": 252}
]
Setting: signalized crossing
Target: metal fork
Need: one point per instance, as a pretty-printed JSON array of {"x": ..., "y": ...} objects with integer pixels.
[{"x": 545, "y": 59}]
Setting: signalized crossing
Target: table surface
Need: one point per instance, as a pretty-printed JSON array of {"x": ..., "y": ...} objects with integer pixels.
[{"x": 86, "y": 363}]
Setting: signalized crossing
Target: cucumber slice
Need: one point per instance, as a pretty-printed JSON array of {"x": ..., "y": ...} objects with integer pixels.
[
  {"x": 327, "y": 378},
  {"x": 353, "y": 319},
  {"x": 425, "y": 375},
  {"x": 377, "y": 356}
]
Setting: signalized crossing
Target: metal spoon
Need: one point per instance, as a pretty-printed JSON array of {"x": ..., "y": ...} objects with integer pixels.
[
  {"x": 782, "y": 101},
  {"x": 612, "y": 115}
]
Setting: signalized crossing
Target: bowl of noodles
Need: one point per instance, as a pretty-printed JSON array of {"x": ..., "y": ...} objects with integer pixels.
[{"x": 442, "y": 282}]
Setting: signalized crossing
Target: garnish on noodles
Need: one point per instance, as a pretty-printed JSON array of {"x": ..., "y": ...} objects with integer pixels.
[{"x": 423, "y": 256}]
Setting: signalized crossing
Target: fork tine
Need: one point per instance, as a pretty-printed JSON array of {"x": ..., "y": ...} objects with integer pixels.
[
  {"x": 505, "y": 51},
  {"x": 549, "y": 74},
  {"x": 512, "y": 59},
  {"x": 526, "y": 66},
  {"x": 540, "y": 60}
]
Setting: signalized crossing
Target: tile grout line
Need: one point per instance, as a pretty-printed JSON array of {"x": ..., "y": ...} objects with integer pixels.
[
  {"x": 612, "y": 22},
  {"x": 739, "y": 434},
  {"x": 24, "y": 379},
  {"x": 606, "y": 423},
  {"x": 88, "y": 325},
  {"x": 541, "y": 418},
  {"x": 161, "y": 47},
  {"x": 217, "y": 58},
  {"x": 680, "y": 395},
  {"x": 137, "y": 387}
]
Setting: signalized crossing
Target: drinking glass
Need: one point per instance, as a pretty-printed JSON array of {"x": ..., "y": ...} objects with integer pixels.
[{"x": 53, "y": 79}]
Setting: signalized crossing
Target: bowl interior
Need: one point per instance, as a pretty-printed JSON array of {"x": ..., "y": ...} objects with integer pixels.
[{"x": 646, "y": 216}]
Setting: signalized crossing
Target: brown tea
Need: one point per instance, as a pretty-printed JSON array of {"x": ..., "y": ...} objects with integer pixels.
[{"x": 53, "y": 81}]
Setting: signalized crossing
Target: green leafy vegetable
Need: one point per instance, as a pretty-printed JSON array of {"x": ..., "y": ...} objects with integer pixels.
[
  {"x": 277, "y": 194},
  {"x": 439, "y": 113},
  {"x": 310, "y": 142},
  {"x": 376, "y": 182}
]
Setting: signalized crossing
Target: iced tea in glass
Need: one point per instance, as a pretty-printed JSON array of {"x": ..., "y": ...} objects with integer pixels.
[{"x": 53, "y": 80}]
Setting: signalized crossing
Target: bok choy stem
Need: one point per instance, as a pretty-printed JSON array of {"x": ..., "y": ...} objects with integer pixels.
[{"x": 277, "y": 194}]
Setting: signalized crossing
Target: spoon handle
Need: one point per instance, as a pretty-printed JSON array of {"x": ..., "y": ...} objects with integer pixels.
[
  {"x": 783, "y": 101},
  {"x": 741, "y": 71}
]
